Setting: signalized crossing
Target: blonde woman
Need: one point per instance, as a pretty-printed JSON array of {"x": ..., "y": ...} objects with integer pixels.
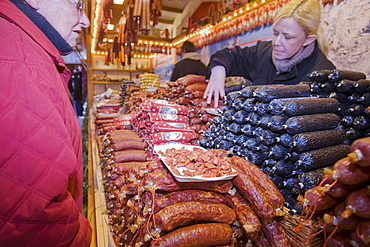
[{"x": 296, "y": 50}]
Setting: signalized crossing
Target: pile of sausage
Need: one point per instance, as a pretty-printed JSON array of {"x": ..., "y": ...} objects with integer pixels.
[
  {"x": 188, "y": 90},
  {"x": 147, "y": 206},
  {"x": 352, "y": 90},
  {"x": 342, "y": 199},
  {"x": 132, "y": 96},
  {"x": 160, "y": 122},
  {"x": 284, "y": 130},
  {"x": 105, "y": 116}
]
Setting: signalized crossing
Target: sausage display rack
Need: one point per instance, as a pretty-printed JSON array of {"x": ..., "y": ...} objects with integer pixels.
[{"x": 96, "y": 212}]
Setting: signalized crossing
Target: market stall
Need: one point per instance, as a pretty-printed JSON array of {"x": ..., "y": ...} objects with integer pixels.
[{"x": 266, "y": 168}]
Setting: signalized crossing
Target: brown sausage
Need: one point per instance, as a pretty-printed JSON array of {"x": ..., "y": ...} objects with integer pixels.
[
  {"x": 121, "y": 138},
  {"x": 130, "y": 155},
  {"x": 348, "y": 172},
  {"x": 141, "y": 145},
  {"x": 182, "y": 213},
  {"x": 358, "y": 202},
  {"x": 199, "y": 235},
  {"x": 248, "y": 187},
  {"x": 275, "y": 233},
  {"x": 122, "y": 132},
  {"x": 272, "y": 192},
  {"x": 361, "y": 151},
  {"x": 348, "y": 224},
  {"x": 190, "y": 79},
  {"x": 246, "y": 216},
  {"x": 317, "y": 199},
  {"x": 126, "y": 166},
  {"x": 363, "y": 231},
  {"x": 187, "y": 195}
]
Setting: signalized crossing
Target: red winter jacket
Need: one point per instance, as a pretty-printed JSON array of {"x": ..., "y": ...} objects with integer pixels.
[{"x": 41, "y": 148}]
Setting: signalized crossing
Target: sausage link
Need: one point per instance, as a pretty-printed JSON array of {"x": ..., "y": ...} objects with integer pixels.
[
  {"x": 199, "y": 235},
  {"x": 275, "y": 233},
  {"x": 248, "y": 187},
  {"x": 187, "y": 195},
  {"x": 190, "y": 79},
  {"x": 130, "y": 155},
  {"x": 140, "y": 145},
  {"x": 361, "y": 151},
  {"x": 348, "y": 172},
  {"x": 246, "y": 216},
  {"x": 126, "y": 166},
  {"x": 183, "y": 213},
  {"x": 273, "y": 194}
]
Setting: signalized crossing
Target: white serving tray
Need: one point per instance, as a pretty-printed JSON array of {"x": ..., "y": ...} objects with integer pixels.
[{"x": 198, "y": 178}]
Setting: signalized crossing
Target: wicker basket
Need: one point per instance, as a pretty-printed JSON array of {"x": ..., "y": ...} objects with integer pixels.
[{"x": 306, "y": 235}]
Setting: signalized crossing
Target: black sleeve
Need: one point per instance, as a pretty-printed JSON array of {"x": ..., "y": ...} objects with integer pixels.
[
  {"x": 175, "y": 73},
  {"x": 239, "y": 61}
]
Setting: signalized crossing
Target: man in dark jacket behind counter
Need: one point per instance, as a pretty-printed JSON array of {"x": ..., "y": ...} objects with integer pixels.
[{"x": 190, "y": 63}]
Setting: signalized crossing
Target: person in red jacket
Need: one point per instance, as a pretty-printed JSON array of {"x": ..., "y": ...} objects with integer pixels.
[{"x": 41, "y": 169}]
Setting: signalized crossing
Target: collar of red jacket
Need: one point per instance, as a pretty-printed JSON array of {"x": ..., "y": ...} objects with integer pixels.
[{"x": 14, "y": 15}]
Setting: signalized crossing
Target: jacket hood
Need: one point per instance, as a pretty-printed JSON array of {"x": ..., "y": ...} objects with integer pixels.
[{"x": 191, "y": 55}]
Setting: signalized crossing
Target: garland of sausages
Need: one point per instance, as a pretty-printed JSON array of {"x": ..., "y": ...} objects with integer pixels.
[
  {"x": 148, "y": 207},
  {"x": 342, "y": 199}
]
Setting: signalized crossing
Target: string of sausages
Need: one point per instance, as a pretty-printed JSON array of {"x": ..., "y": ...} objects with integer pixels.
[{"x": 342, "y": 199}]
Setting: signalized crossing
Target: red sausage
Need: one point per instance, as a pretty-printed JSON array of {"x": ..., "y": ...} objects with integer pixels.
[
  {"x": 272, "y": 192},
  {"x": 337, "y": 219},
  {"x": 126, "y": 166},
  {"x": 348, "y": 172},
  {"x": 246, "y": 216},
  {"x": 187, "y": 195},
  {"x": 315, "y": 198},
  {"x": 363, "y": 231},
  {"x": 358, "y": 202},
  {"x": 121, "y": 138},
  {"x": 361, "y": 151},
  {"x": 141, "y": 145},
  {"x": 189, "y": 79},
  {"x": 130, "y": 155},
  {"x": 248, "y": 187},
  {"x": 182, "y": 213},
  {"x": 275, "y": 233},
  {"x": 199, "y": 235}
]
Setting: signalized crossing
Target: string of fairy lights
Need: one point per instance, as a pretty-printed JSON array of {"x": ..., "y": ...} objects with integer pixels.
[{"x": 177, "y": 41}]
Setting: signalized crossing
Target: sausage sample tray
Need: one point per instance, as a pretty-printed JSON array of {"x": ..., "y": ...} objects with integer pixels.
[{"x": 161, "y": 149}]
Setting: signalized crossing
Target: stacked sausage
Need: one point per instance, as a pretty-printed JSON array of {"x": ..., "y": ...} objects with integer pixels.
[
  {"x": 148, "y": 207},
  {"x": 188, "y": 90},
  {"x": 106, "y": 113},
  {"x": 160, "y": 121},
  {"x": 352, "y": 90},
  {"x": 282, "y": 129},
  {"x": 342, "y": 199}
]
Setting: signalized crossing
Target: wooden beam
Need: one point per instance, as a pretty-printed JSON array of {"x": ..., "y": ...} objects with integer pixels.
[
  {"x": 171, "y": 9},
  {"x": 165, "y": 21}
]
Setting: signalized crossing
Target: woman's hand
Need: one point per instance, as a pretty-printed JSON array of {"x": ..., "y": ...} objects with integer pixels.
[{"x": 216, "y": 85}]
